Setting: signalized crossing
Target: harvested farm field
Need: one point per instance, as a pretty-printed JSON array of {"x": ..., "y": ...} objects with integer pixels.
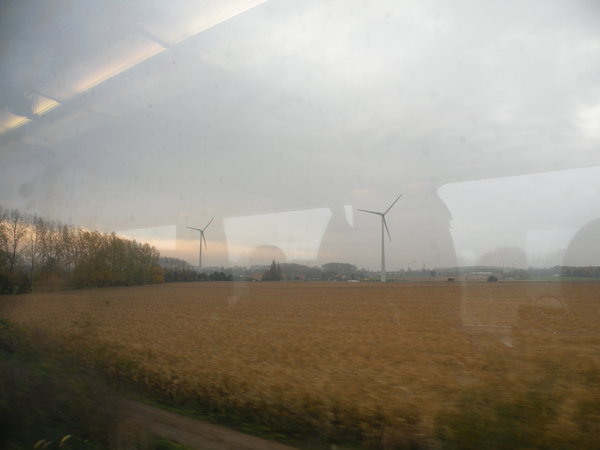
[{"x": 443, "y": 365}]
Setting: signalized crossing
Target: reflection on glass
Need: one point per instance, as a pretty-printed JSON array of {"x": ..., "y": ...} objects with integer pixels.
[
  {"x": 297, "y": 234},
  {"x": 163, "y": 237}
]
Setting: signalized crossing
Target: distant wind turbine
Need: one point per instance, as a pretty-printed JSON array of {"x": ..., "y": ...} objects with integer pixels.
[
  {"x": 202, "y": 238},
  {"x": 383, "y": 225}
]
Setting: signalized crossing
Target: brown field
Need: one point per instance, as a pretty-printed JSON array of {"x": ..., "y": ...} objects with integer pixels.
[{"x": 495, "y": 365}]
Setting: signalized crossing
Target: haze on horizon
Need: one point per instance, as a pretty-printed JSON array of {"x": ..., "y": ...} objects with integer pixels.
[{"x": 281, "y": 118}]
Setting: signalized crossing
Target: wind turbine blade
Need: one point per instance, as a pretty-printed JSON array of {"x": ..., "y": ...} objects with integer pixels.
[
  {"x": 386, "y": 211},
  {"x": 386, "y": 227},
  {"x": 204, "y": 239},
  {"x": 192, "y": 228},
  {"x": 208, "y": 224},
  {"x": 370, "y": 212}
]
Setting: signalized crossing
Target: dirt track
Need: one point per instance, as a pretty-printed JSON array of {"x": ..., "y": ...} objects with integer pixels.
[{"x": 191, "y": 432}]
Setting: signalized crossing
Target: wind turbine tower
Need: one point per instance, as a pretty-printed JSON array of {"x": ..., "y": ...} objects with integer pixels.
[
  {"x": 202, "y": 238},
  {"x": 383, "y": 225}
]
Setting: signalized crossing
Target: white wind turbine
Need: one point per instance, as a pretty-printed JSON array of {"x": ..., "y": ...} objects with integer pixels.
[
  {"x": 383, "y": 225},
  {"x": 202, "y": 238}
]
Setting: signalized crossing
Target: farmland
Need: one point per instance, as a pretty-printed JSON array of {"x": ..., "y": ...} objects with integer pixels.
[{"x": 421, "y": 364}]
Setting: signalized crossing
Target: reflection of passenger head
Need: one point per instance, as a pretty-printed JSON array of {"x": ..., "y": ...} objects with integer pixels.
[
  {"x": 584, "y": 249},
  {"x": 264, "y": 254}
]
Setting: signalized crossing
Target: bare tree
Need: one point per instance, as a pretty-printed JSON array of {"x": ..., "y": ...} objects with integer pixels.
[
  {"x": 34, "y": 242},
  {"x": 3, "y": 239},
  {"x": 14, "y": 230}
]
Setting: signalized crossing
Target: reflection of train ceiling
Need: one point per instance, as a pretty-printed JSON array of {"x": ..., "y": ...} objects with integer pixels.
[
  {"x": 61, "y": 52},
  {"x": 431, "y": 88}
]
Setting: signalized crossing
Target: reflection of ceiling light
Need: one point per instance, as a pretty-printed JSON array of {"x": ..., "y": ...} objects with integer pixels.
[
  {"x": 43, "y": 105},
  {"x": 187, "y": 22},
  {"x": 111, "y": 68},
  {"x": 13, "y": 122},
  {"x": 137, "y": 49}
]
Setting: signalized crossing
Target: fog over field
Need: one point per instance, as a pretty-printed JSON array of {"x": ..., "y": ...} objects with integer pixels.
[{"x": 281, "y": 118}]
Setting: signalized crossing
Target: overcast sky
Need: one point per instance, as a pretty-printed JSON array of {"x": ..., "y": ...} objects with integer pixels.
[{"x": 280, "y": 118}]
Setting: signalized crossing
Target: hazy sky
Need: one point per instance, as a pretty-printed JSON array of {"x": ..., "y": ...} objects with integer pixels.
[{"x": 279, "y": 118}]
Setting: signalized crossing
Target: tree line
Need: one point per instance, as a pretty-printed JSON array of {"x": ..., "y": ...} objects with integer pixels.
[
  {"x": 40, "y": 254},
  {"x": 274, "y": 272},
  {"x": 36, "y": 253},
  {"x": 176, "y": 269}
]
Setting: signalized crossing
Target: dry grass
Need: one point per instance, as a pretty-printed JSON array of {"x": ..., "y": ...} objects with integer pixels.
[{"x": 390, "y": 366}]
